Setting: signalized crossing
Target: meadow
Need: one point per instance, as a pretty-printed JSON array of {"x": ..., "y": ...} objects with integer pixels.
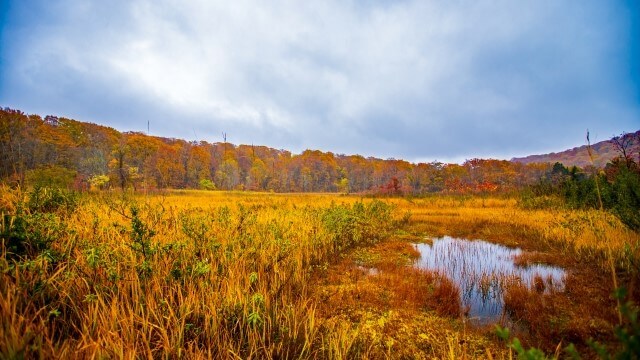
[{"x": 215, "y": 274}]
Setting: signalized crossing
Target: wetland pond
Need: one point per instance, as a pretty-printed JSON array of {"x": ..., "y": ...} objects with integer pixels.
[{"x": 481, "y": 270}]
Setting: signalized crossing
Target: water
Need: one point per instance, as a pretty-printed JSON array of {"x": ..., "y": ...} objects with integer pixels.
[{"x": 481, "y": 270}]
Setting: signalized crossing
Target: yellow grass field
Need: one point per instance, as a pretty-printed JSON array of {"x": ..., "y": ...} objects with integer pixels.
[{"x": 197, "y": 274}]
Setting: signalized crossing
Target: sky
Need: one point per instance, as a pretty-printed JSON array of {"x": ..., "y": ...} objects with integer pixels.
[{"x": 414, "y": 80}]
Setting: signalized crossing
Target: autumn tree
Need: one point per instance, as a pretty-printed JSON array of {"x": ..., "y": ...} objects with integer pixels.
[
  {"x": 118, "y": 165},
  {"x": 169, "y": 170},
  {"x": 14, "y": 135},
  {"x": 198, "y": 165},
  {"x": 623, "y": 144},
  {"x": 228, "y": 175},
  {"x": 141, "y": 152},
  {"x": 257, "y": 175}
]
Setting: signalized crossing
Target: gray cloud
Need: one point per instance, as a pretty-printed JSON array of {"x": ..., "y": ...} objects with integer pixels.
[{"x": 418, "y": 80}]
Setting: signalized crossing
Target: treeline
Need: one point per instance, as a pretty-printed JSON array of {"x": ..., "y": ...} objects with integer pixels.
[
  {"x": 615, "y": 188},
  {"x": 69, "y": 153}
]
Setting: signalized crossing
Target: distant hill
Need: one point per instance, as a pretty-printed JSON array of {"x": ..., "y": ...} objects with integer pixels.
[{"x": 603, "y": 152}]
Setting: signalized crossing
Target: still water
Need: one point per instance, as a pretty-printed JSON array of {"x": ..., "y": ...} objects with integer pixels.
[{"x": 481, "y": 270}]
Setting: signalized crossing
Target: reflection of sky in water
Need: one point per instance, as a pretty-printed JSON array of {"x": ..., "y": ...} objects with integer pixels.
[{"x": 481, "y": 269}]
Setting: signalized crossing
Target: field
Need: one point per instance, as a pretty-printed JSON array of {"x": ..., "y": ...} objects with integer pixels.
[{"x": 212, "y": 274}]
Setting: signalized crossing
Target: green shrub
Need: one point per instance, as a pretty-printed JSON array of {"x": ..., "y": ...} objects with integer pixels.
[
  {"x": 359, "y": 224},
  {"x": 206, "y": 184},
  {"x": 27, "y": 235},
  {"x": 51, "y": 176},
  {"x": 46, "y": 200},
  {"x": 99, "y": 181},
  {"x": 36, "y": 221}
]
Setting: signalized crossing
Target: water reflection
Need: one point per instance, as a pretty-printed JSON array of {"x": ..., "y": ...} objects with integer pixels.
[{"x": 481, "y": 270}]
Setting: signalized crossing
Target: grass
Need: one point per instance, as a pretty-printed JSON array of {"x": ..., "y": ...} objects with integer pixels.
[{"x": 200, "y": 274}]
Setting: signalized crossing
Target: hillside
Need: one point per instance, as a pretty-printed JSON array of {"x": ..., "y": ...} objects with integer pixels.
[{"x": 603, "y": 152}]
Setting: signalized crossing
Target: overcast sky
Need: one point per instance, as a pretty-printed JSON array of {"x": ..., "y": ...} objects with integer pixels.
[{"x": 417, "y": 80}]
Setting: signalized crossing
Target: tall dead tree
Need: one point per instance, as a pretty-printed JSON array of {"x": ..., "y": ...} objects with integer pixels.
[{"x": 623, "y": 144}]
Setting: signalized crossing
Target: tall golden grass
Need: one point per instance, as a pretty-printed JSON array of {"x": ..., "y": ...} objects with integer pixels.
[
  {"x": 189, "y": 274},
  {"x": 194, "y": 274}
]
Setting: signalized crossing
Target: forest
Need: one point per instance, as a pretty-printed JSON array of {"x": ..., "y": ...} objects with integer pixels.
[{"x": 82, "y": 155}]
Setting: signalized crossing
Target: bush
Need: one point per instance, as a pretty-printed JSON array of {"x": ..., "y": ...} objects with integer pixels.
[
  {"x": 28, "y": 235},
  {"x": 51, "y": 176},
  {"x": 625, "y": 201},
  {"x": 46, "y": 200},
  {"x": 32, "y": 223},
  {"x": 99, "y": 181},
  {"x": 360, "y": 224},
  {"x": 206, "y": 184}
]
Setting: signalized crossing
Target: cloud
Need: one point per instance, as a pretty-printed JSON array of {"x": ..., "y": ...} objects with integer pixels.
[{"x": 408, "y": 79}]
